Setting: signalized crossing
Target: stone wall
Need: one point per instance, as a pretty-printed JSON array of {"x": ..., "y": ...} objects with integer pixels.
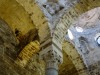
[
  {"x": 16, "y": 16},
  {"x": 9, "y": 52},
  {"x": 38, "y": 18},
  {"x": 25, "y": 15},
  {"x": 85, "y": 41}
]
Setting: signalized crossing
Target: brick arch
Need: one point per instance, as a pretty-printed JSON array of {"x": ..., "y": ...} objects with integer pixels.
[
  {"x": 66, "y": 21},
  {"x": 25, "y": 16},
  {"x": 70, "y": 16},
  {"x": 19, "y": 21},
  {"x": 38, "y": 18},
  {"x": 62, "y": 24},
  {"x": 87, "y": 21}
]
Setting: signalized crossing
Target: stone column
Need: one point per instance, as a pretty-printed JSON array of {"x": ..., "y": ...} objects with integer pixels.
[{"x": 52, "y": 55}]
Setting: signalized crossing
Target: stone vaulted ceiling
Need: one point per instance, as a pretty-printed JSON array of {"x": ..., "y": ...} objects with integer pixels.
[{"x": 25, "y": 24}]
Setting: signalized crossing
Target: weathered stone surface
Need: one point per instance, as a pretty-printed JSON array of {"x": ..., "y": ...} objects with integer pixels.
[
  {"x": 8, "y": 40},
  {"x": 16, "y": 17},
  {"x": 86, "y": 41},
  {"x": 18, "y": 14},
  {"x": 8, "y": 54},
  {"x": 70, "y": 16},
  {"x": 26, "y": 54},
  {"x": 67, "y": 67},
  {"x": 38, "y": 18},
  {"x": 74, "y": 56}
]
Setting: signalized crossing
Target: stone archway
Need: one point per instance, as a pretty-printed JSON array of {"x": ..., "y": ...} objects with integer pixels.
[
  {"x": 69, "y": 18},
  {"x": 62, "y": 24},
  {"x": 21, "y": 30},
  {"x": 57, "y": 35},
  {"x": 19, "y": 21},
  {"x": 85, "y": 41},
  {"x": 17, "y": 10}
]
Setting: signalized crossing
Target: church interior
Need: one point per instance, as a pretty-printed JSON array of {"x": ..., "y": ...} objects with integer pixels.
[{"x": 49, "y": 37}]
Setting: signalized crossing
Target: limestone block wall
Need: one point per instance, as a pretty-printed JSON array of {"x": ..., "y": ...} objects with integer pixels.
[
  {"x": 9, "y": 51},
  {"x": 15, "y": 33}
]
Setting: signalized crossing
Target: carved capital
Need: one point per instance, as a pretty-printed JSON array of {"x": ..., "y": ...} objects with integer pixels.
[
  {"x": 51, "y": 54},
  {"x": 52, "y": 59}
]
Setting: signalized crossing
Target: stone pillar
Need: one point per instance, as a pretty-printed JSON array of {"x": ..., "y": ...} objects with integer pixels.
[
  {"x": 52, "y": 63},
  {"x": 52, "y": 55}
]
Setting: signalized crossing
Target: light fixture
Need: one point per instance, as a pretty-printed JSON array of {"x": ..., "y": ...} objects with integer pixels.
[
  {"x": 79, "y": 29},
  {"x": 70, "y": 35}
]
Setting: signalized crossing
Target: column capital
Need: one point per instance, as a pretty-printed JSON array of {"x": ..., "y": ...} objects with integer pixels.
[
  {"x": 52, "y": 59},
  {"x": 51, "y": 53}
]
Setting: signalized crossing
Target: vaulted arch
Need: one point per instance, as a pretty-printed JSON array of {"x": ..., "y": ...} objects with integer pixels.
[
  {"x": 62, "y": 25},
  {"x": 71, "y": 15},
  {"x": 38, "y": 18},
  {"x": 27, "y": 14},
  {"x": 16, "y": 16}
]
